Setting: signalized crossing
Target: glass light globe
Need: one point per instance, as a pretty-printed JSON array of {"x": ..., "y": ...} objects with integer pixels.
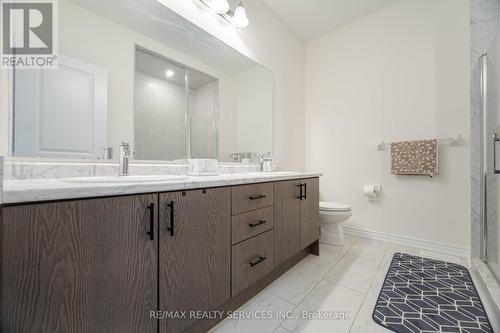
[{"x": 240, "y": 19}]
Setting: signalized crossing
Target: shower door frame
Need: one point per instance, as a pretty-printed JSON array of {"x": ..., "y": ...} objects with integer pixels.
[
  {"x": 484, "y": 156},
  {"x": 488, "y": 156}
]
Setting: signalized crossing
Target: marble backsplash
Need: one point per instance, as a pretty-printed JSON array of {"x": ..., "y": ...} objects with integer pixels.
[{"x": 49, "y": 170}]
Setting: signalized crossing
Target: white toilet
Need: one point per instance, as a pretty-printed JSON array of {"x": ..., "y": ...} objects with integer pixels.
[{"x": 331, "y": 216}]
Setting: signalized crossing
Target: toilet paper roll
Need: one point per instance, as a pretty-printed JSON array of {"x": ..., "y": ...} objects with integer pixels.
[{"x": 371, "y": 191}]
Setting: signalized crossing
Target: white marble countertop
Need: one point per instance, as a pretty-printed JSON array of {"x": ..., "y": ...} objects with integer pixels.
[{"x": 34, "y": 190}]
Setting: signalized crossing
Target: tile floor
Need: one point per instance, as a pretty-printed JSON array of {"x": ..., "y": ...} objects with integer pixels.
[{"x": 343, "y": 282}]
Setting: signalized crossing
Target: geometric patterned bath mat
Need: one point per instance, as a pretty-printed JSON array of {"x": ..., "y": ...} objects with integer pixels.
[{"x": 422, "y": 295}]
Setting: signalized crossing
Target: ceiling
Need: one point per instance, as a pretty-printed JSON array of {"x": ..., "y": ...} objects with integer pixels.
[{"x": 312, "y": 18}]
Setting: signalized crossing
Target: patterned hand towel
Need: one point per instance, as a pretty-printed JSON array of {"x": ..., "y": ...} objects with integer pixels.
[{"x": 419, "y": 157}]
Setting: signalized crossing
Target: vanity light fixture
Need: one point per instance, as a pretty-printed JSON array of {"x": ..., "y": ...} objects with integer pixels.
[
  {"x": 240, "y": 19},
  {"x": 237, "y": 18}
]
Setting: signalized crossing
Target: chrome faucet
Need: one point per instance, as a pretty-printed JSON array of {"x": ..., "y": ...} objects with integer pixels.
[
  {"x": 108, "y": 153},
  {"x": 124, "y": 159},
  {"x": 266, "y": 162}
]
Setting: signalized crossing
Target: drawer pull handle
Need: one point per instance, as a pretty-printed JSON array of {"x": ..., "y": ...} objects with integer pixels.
[
  {"x": 257, "y": 260},
  {"x": 257, "y": 197},
  {"x": 256, "y": 224}
]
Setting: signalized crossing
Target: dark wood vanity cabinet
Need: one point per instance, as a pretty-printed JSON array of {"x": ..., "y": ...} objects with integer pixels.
[
  {"x": 286, "y": 220},
  {"x": 195, "y": 252},
  {"x": 252, "y": 253},
  {"x": 309, "y": 212},
  {"x": 251, "y": 261},
  {"x": 79, "y": 266},
  {"x": 117, "y": 264},
  {"x": 296, "y": 217}
]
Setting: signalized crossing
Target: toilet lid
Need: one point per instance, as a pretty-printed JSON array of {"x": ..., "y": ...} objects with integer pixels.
[{"x": 333, "y": 206}]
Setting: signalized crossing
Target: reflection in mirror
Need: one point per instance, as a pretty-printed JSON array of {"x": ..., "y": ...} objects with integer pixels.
[
  {"x": 61, "y": 112},
  {"x": 175, "y": 110},
  {"x": 160, "y": 109},
  {"x": 134, "y": 71},
  {"x": 251, "y": 101}
]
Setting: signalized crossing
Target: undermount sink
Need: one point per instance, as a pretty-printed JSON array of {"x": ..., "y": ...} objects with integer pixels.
[{"x": 124, "y": 179}]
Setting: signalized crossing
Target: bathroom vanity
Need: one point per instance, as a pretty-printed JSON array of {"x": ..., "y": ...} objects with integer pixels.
[
  {"x": 83, "y": 250},
  {"x": 143, "y": 262}
]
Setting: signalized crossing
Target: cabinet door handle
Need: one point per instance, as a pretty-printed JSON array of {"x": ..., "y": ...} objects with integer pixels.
[
  {"x": 305, "y": 191},
  {"x": 256, "y": 224},
  {"x": 151, "y": 232},
  {"x": 257, "y": 197},
  {"x": 301, "y": 193},
  {"x": 172, "y": 218},
  {"x": 257, "y": 260}
]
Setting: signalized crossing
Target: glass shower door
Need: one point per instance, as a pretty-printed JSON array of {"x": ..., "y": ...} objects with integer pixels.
[{"x": 491, "y": 157}]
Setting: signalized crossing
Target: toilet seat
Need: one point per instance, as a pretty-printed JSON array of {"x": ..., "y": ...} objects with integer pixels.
[{"x": 333, "y": 207}]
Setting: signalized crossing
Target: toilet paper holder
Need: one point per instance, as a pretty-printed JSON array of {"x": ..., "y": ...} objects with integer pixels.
[{"x": 371, "y": 191}]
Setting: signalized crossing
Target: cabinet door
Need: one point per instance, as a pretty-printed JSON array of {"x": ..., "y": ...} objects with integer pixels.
[
  {"x": 195, "y": 240},
  {"x": 286, "y": 220},
  {"x": 79, "y": 266},
  {"x": 309, "y": 227}
]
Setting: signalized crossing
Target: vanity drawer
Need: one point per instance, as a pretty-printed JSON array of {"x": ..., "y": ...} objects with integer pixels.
[
  {"x": 251, "y": 260},
  {"x": 247, "y": 225},
  {"x": 250, "y": 197}
]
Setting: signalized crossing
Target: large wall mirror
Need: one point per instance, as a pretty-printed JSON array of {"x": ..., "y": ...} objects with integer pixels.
[{"x": 134, "y": 71}]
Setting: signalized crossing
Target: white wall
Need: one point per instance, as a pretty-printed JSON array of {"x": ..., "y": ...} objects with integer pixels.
[
  {"x": 400, "y": 73},
  {"x": 269, "y": 42}
]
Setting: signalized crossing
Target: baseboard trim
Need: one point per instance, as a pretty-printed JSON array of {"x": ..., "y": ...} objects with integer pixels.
[{"x": 409, "y": 241}]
